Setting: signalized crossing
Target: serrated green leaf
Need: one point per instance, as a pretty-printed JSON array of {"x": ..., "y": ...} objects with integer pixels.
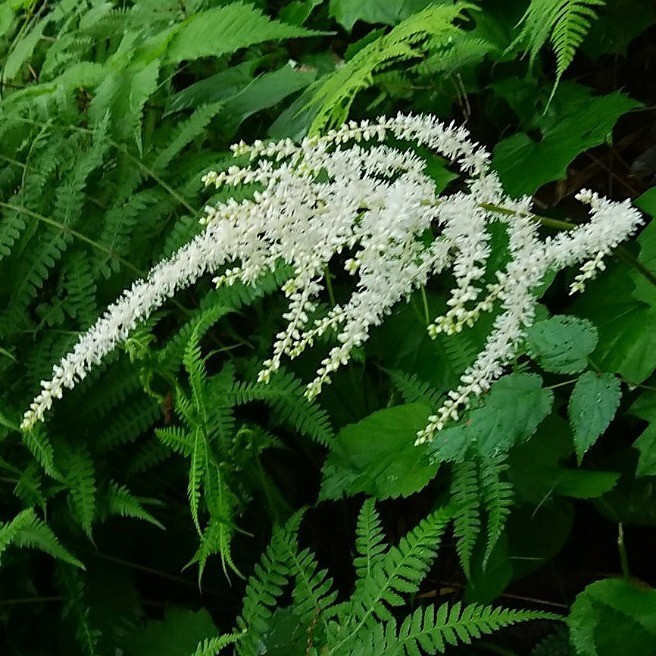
[
  {"x": 510, "y": 413},
  {"x": 562, "y": 344},
  {"x": 592, "y": 406},
  {"x": 611, "y": 614},
  {"x": 377, "y": 455},
  {"x": 223, "y": 30}
]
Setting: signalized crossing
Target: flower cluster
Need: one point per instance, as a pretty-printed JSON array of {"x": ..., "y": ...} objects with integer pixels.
[{"x": 349, "y": 192}]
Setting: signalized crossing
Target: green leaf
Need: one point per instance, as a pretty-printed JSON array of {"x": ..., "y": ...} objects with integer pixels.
[
  {"x": 215, "y": 88},
  {"x": 626, "y": 326},
  {"x": 583, "y": 484},
  {"x": 263, "y": 92},
  {"x": 388, "y": 12},
  {"x": 223, "y": 30},
  {"x": 611, "y": 614},
  {"x": 562, "y": 344},
  {"x": 645, "y": 408},
  {"x": 178, "y": 634},
  {"x": 620, "y": 22},
  {"x": 378, "y": 456},
  {"x": 592, "y": 406},
  {"x": 647, "y": 238},
  {"x": 23, "y": 50},
  {"x": 524, "y": 164},
  {"x": 297, "y": 12},
  {"x": 510, "y": 413}
]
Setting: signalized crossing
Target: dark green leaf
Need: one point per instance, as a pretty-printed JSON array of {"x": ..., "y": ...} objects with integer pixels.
[
  {"x": 645, "y": 408},
  {"x": 525, "y": 164},
  {"x": 611, "y": 614},
  {"x": 388, "y": 12},
  {"x": 177, "y": 634},
  {"x": 626, "y": 326},
  {"x": 592, "y": 406},
  {"x": 510, "y": 413},
  {"x": 562, "y": 344},
  {"x": 378, "y": 456}
]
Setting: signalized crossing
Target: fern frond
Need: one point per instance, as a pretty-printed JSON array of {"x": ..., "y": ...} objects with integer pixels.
[
  {"x": 564, "y": 23},
  {"x": 199, "y": 462},
  {"x": 81, "y": 481},
  {"x": 29, "y": 487},
  {"x": 429, "y": 630},
  {"x": 28, "y": 531},
  {"x": 77, "y": 610},
  {"x": 217, "y": 537},
  {"x": 118, "y": 500},
  {"x": 467, "y": 522},
  {"x": 460, "y": 351},
  {"x": 223, "y": 30},
  {"x": 81, "y": 287},
  {"x": 148, "y": 456},
  {"x": 497, "y": 498},
  {"x": 413, "y": 389},
  {"x": 212, "y": 646},
  {"x": 175, "y": 438},
  {"x": 369, "y": 542},
  {"x": 401, "y": 571},
  {"x": 11, "y": 228},
  {"x": 408, "y": 40},
  {"x": 267, "y": 585},
  {"x": 37, "y": 442},
  {"x": 186, "y": 132},
  {"x": 128, "y": 422},
  {"x": 313, "y": 593},
  {"x": 285, "y": 394}
]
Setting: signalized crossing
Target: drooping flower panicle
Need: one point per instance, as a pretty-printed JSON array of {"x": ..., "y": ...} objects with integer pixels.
[{"x": 349, "y": 192}]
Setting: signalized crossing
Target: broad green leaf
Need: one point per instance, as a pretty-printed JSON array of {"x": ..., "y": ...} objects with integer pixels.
[
  {"x": 647, "y": 238},
  {"x": 510, "y": 413},
  {"x": 525, "y": 164},
  {"x": 592, "y": 406},
  {"x": 562, "y": 344},
  {"x": 178, "y": 634},
  {"x": 223, "y": 30},
  {"x": 645, "y": 408},
  {"x": 633, "y": 500},
  {"x": 378, "y": 456},
  {"x": 626, "y": 326},
  {"x": 537, "y": 474},
  {"x": 221, "y": 86},
  {"x": 581, "y": 483},
  {"x": 388, "y": 12},
  {"x": 264, "y": 91},
  {"x": 620, "y": 21},
  {"x": 612, "y": 614}
]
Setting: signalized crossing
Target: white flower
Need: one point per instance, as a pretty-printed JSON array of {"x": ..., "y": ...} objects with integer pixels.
[{"x": 349, "y": 192}]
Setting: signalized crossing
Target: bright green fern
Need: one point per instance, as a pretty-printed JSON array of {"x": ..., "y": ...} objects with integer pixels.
[
  {"x": 563, "y": 23},
  {"x": 365, "y": 623}
]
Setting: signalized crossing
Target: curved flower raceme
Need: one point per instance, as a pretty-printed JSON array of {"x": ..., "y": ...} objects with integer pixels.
[{"x": 350, "y": 192}]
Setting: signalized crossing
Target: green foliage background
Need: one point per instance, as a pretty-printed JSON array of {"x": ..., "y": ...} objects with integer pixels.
[{"x": 130, "y": 522}]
